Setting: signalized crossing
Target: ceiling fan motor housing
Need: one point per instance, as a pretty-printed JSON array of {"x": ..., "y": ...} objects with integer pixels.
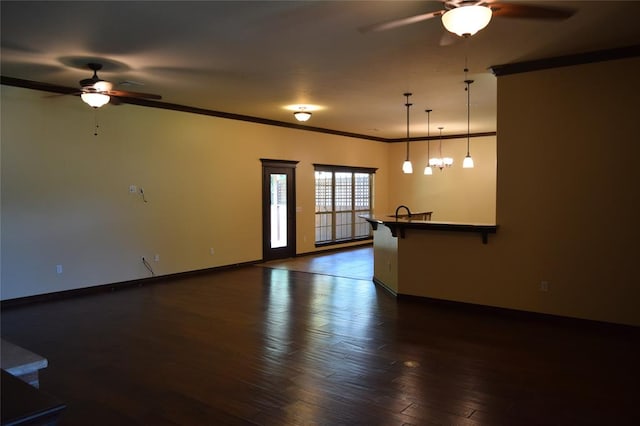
[{"x": 95, "y": 83}]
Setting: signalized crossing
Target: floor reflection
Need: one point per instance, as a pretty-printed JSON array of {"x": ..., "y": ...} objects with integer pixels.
[
  {"x": 356, "y": 263},
  {"x": 322, "y": 326}
]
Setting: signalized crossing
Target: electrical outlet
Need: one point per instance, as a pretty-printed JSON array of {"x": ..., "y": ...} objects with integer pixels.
[
  {"x": 544, "y": 286},
  {"x": 58, "y": 269},
  {"x": 156, "y": 258},
  {"x": 133, "y": 189},
  {"x": 212, "y": 251}
]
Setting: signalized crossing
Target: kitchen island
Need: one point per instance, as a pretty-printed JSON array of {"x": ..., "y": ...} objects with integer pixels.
[{"x": 404, "y": 248}]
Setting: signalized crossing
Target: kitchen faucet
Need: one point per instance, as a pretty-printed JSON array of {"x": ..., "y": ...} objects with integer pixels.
[{"x": 405, "y": 207}]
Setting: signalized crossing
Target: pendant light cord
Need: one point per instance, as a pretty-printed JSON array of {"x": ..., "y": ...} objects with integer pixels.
[
  {"x": 468, "y": 89},
  {"x": 428, "y": 111},
  {"x": 95, "y": 119},
  {"x": 408, "y": 105}
]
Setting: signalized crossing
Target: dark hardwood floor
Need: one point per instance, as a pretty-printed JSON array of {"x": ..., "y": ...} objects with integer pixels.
[
  {"x": 355, "y": 262},
  {"x": 259, "y": 345}
]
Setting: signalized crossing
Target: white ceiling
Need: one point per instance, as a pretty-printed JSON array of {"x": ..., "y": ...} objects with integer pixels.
[{"x": 256, "y": 57}]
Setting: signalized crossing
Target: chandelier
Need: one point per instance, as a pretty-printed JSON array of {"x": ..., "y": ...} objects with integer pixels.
[{"x": 440, "y": 162}]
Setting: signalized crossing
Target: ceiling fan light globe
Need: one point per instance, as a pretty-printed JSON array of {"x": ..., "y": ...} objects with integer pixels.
[
  {"x": 466, "y": 20},
  {"x": 95, "y": 100}
]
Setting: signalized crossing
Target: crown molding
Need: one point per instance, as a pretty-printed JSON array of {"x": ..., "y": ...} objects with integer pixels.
[
  {"x": 36, "y": 85},
  {"x": 566, "y": 61}
]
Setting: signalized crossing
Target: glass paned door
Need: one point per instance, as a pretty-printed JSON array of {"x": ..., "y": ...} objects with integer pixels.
[{"x": 278, "y": 209}]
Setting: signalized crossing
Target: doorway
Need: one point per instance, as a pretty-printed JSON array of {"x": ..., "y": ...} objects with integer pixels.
[{"x": 278, "y": 209}]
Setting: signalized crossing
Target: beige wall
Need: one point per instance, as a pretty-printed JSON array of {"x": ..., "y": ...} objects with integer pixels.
[
  {"x": 65, "y": 198},
  {"x": 454, "y": 194},
  {"x": 567, "y": 197}
]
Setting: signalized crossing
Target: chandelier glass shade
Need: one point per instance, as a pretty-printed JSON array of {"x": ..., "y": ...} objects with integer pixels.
[
  {"x": 441, "y": 162},
  {"x": 465, "y": 21}
]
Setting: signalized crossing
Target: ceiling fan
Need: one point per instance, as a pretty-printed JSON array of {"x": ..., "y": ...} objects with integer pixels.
[
  {"x": 97, "y": 92},
  {"x": 466, "y": 17}
]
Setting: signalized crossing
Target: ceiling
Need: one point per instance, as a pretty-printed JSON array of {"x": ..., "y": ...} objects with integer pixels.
[{"x": 256, "y": 57}]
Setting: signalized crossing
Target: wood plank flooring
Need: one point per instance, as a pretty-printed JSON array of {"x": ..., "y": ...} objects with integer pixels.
[
  {"x": 354, "y": 263},
  {"x": 259, "y": 345}
]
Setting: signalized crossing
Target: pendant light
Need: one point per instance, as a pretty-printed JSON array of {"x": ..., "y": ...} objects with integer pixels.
[
  {"x": 407, "y": 168},
  {"x": 467, "y": 163},
  {"x": 428, "y": 170}
]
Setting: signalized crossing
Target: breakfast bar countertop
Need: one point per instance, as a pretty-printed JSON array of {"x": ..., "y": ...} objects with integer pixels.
[{"x": 399, "y": 224}]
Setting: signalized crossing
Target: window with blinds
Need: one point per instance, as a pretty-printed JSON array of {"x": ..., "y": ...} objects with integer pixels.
[{"x": 342, "y": 194}]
